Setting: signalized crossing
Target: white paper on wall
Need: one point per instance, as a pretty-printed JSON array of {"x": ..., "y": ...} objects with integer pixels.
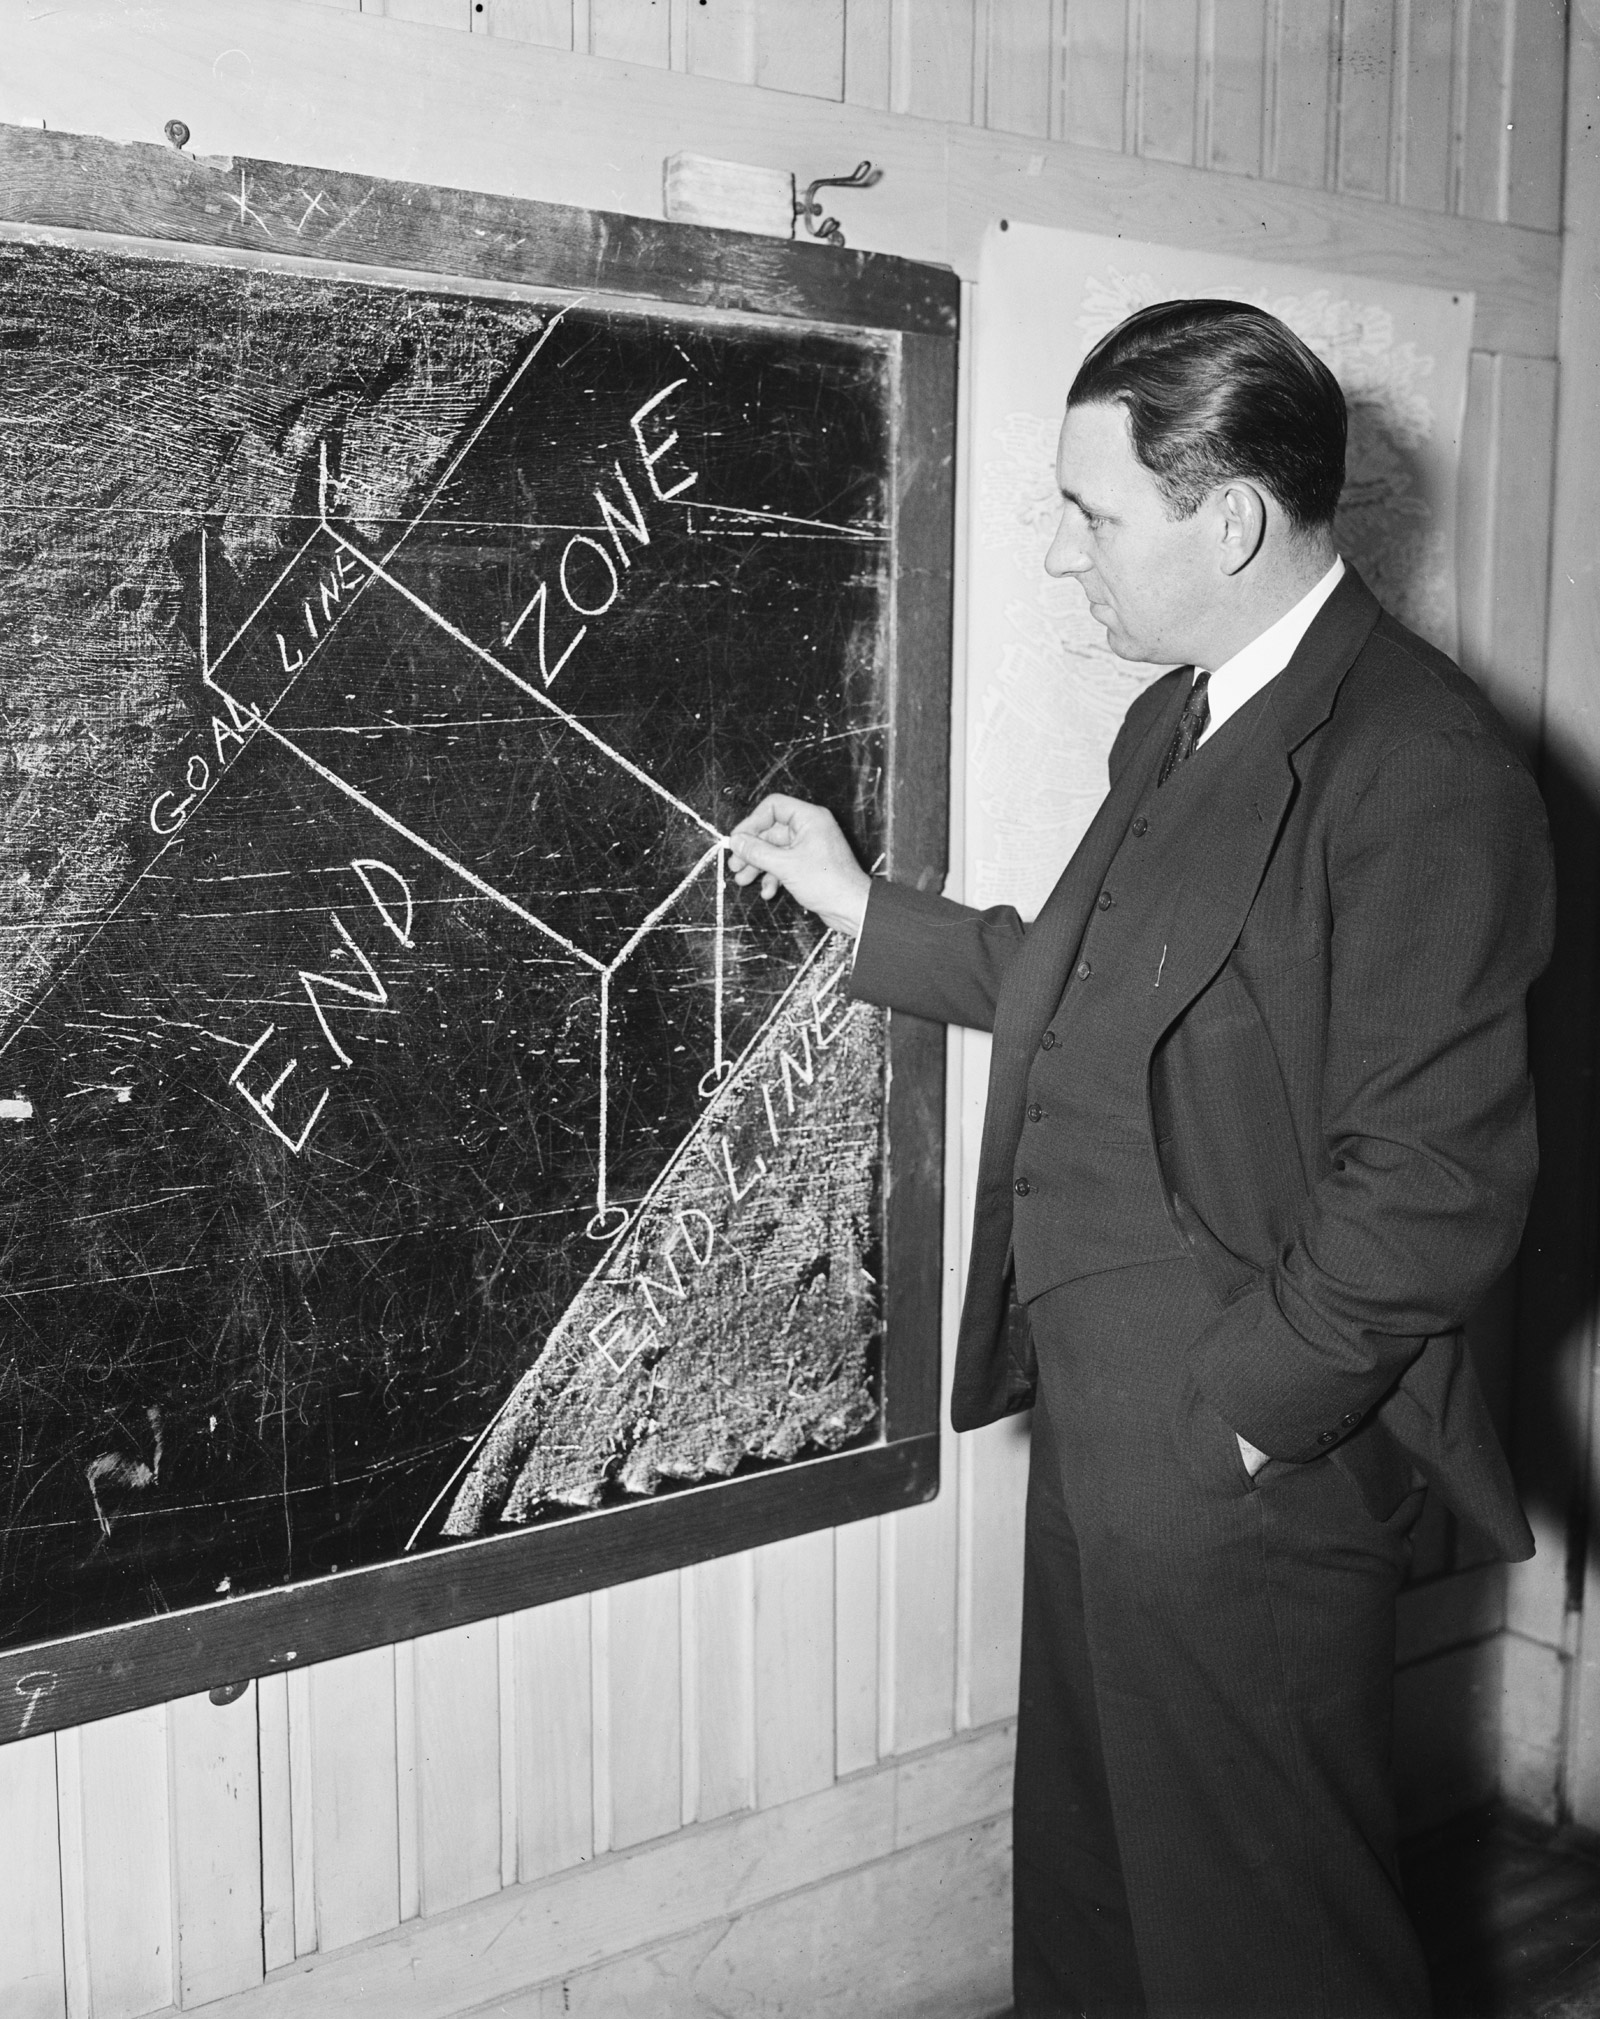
[{"x": 1045, "y": 694}]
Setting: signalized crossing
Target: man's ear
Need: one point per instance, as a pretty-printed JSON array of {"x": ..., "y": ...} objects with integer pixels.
[{"x": 1242, "y": 513}]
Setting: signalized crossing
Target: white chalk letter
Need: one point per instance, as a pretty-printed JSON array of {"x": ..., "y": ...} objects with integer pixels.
[{"x": 650, "y": 457}]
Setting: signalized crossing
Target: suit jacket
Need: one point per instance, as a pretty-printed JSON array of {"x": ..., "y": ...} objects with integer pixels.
[{"x": 1338, "y": 1094}]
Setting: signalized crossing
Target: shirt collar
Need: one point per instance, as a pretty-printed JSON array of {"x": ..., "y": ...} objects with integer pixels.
[{"x": 1238, "y": 679}]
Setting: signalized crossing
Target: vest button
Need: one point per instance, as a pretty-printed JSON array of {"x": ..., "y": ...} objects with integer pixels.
[
  {"x": 1104, "y": 900},
  {"x": 1083, "y": 970},
  {"x": 1141, "y": 827},
  {"x": 1048, "y": 1042},
  {"x": 1035, "y": 1112},
  {"x": 1021, "y": 1188}
]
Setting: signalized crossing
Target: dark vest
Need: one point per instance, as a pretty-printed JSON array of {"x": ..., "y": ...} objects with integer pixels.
[{"x": 1089, "y": 1190}]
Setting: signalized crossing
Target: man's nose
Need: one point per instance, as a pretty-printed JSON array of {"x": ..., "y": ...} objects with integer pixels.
[{"x": 1066, "y": 555}]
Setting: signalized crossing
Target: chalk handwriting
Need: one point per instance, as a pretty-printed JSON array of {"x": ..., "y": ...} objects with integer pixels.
[
  {"x": 586, "y": 574},
  {"x": 396, "y": 910}
]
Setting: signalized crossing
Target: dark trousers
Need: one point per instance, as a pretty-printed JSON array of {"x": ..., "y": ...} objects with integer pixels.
[{"x": 1204, "y": 1820}]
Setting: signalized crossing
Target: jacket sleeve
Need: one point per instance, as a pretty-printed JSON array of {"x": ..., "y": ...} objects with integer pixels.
[
  {"x": 1442, "y": 906},
  {"x": 932, "y": 957}
]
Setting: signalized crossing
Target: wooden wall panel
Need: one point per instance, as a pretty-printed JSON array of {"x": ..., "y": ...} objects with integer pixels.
[
  {"x": 545, "y": 22},
  {"x": 1425, "y": 65},
  {"x": 354, "y": 1798},
  {"x": 1019, "y": 64},
  {"x": 32, "y": 1968},
  {"x": 457, "y": 1747},
  {"x": 216, "y": 1845},
  {"x": 554, "y": 1738},
  {"x": 1095, "y": 75},
  {"x": 277, "y": 1822},
  {"x": 1239, "y": 85},
  {"x": 868, "y": 42},
  {"x": 1169, "y": 70},
  {"x": 856, "y": 1685},
  {"x": 724, "y": 1678},
  {"x": 800, "y": 48},
  {"x": 1305, "y": 86},
  {"x": 1366, "y": 83},
  {"x": 1535, "y": 126},
  {"x": 116, "y": 1866},
  {"x": 644, "y": 1701},
  {"x": 794, "y": 1668},
  {"x": 1485, "y": 158},
  {"x": 632, "y": 31},
  {"x": 932, "y": 58},
  {"x": 721, "y": 41}
]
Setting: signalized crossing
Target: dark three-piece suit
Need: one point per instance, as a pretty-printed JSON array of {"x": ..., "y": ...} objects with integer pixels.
[{"x": 1259, "y": 1136}]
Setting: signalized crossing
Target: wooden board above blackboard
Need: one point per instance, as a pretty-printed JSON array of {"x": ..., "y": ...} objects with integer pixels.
[{"x": 429, "y": 1185}]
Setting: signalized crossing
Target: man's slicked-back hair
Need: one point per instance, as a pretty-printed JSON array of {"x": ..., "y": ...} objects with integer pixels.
[{"x": 1218, "y": 390}]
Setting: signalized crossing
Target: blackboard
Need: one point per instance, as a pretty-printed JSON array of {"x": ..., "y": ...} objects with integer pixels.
[{"x": 428, "y": 1184}]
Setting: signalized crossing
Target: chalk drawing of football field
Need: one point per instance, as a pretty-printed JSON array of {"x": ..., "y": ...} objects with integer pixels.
[{"x": 756, "y": 1236}]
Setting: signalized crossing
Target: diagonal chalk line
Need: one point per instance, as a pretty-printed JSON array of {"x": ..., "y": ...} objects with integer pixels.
[
  {"x": 529, "y": 689},
  {"x": 409, "y": 834},
  {"x": 254, "y": 715},
  {"x": 718, "y": 1105}
]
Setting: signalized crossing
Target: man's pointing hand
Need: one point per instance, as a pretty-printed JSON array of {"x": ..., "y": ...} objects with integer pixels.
[{"x": 790, "y": 842}]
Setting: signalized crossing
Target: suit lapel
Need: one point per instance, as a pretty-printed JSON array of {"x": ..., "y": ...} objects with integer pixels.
[
  {"x": 1039, "y": 974},
  {"x": 1236, "y": 822}
]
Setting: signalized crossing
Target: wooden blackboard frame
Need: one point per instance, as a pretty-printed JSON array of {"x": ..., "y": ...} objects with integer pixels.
[{"x": 55, "y": 186}]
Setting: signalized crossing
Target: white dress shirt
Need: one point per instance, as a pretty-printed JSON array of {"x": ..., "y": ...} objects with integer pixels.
[{"x": 1235, "y": 681}]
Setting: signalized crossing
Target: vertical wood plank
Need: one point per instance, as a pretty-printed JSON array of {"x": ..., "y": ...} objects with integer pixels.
[
  {"x": 355, "y": 1812},
  {"x": 1238, "y": 85},
  {"x": 801, "y": 48},
  {"x": 277, "y": 1822},
  {"x": 867, "y": 37},
  {"x": 458, "y": 1764},
  {"x": 925, "y": 1621},
  {"x": 794, "y": 1675},
  {"x": 1019, "y": 66},
  {"x": 632, "y": 31},
  {"x": 994, "y": 1492},
  {"x": 33, "y": 1981},
  {"x": 1485, "y": 153},
  {"x": 547, "y": 23},
  {"x": 1169, "y": 66},
  {"x": 931, "y": 60},
  {"x": 1096, "y": 72},
  {"x": 430, "y": 13},
  {"x": 1538, "y": 88},
  {"x": 126, "y": 1852},
  {"x": 555, "y": 1738},
  {"x": 600, "y": 1712},
  {"x": 1304, "y": 77},
  {"x": 1425, "y": 59},
  {"x": 1522, "y": 531},
  {"x": 302, "y": 1811},
  {"x": 407, "y": 1782},
  {"x": 1366, "y": 78},
  {"x": 724, "y": 1685},
  {"x": 855, "y": 1647},
  {"x": 214, "y": 1771},
  {"x": 74, "y": 1902},
  {"x": 721, "y": 40},
  {"x": 506, "y": 1665},
  {"x": 646, "y": 1714}
]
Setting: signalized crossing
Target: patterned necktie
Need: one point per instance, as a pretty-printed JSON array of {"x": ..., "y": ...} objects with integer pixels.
[{"x": 1191, "y": 727}]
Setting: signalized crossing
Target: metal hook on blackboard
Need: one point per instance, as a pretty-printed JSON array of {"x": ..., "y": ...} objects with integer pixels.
[{"x": 807, "y": 208}]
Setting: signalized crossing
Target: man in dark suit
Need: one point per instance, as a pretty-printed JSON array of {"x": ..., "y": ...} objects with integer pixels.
[{"x": 1259, "y": 1136}]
